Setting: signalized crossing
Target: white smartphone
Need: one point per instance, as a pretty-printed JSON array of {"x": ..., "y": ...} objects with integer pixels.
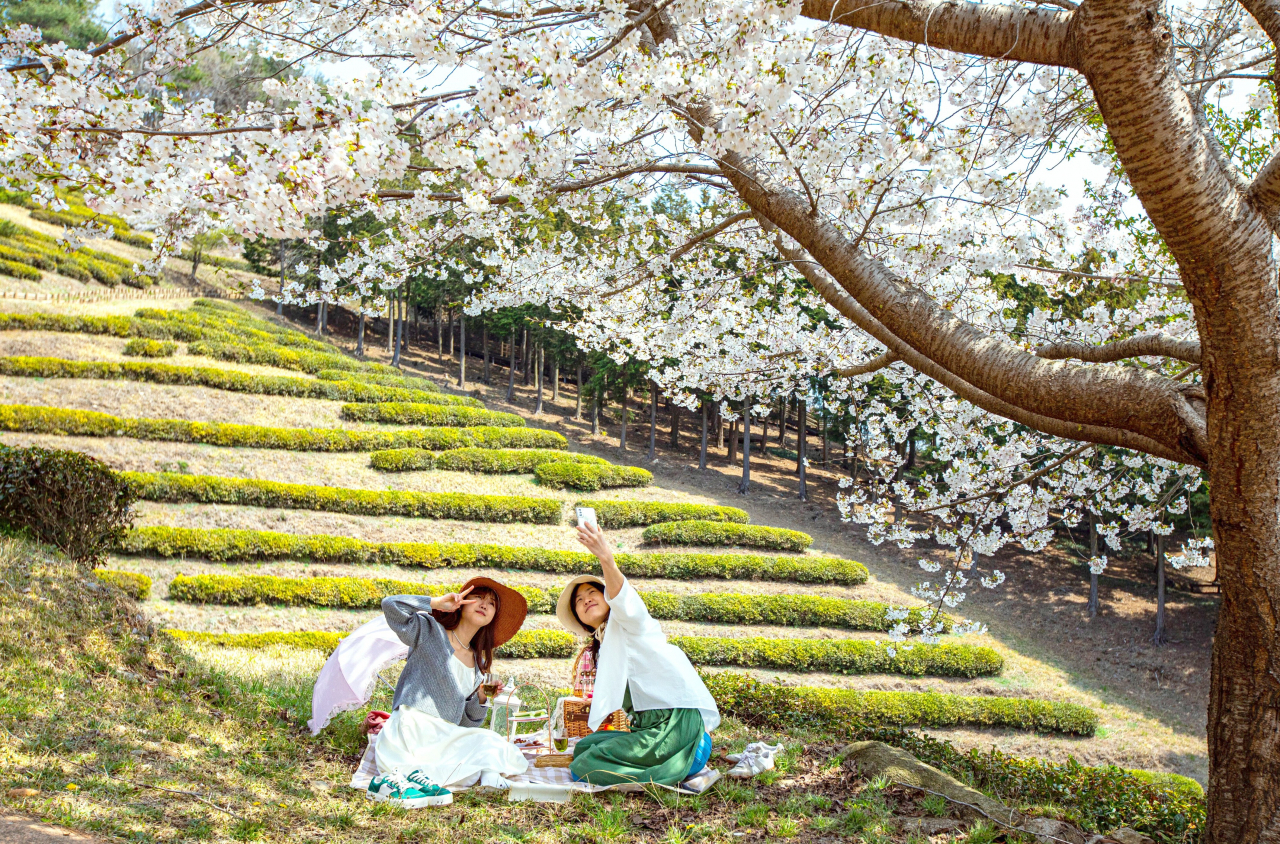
[{"x": 585, "y": 515}]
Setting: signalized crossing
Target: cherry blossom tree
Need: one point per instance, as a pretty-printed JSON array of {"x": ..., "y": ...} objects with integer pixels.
[{"x": 872, "y": 169}]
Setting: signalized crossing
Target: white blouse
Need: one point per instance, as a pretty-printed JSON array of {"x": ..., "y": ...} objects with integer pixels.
[{"x": 635, "y": 653}]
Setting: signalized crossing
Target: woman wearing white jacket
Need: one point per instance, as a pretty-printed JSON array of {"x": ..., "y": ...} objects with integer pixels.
[{"x": 637, "y": 670}]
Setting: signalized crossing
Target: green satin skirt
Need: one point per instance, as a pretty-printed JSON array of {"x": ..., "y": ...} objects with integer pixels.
[{"x": 660, "y": 748}]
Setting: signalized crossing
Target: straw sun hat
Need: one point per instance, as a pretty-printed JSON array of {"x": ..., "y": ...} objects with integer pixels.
[
  {"x": 512, "y": 608},
  {"x": 564, "y": 607}
]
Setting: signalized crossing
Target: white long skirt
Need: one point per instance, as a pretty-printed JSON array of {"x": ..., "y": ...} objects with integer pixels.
[{"x": 447, "y": 753}]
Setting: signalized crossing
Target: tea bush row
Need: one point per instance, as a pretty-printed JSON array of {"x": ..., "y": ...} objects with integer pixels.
[
  {"x": 489, "y": 461},
  {"x": 722, "y": 608},
  {"x": 141, "y": 347},
  {"x": 135, "y": 585},
  {"x": 56, "y": 420},
  {"x": 209, "y": 489},
  {"x": 624, "y": 514},
  {"x": 219, "y": 379},
  {"x": 229, "y": 545},
  {"x": 589, "y": 477},
  {"x": 413, "y": 413},
  {"x": 699, "y": 532},
  {"x": 839, "y": 656}
]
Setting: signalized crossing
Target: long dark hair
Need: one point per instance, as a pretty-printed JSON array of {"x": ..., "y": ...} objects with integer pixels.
[
  {"x": 482, "y": 642},
  {"x": 593, "y": 643}
]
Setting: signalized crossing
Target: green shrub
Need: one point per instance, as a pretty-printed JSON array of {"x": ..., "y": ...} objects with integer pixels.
[
  {"x": 826, "y": 655},
  {"x": 484, "y": 460},
  {"x": 1096, "y": 799},
  {"x": 131, "y": 583},
  {"x": 143, "y": 348},
  {"x": 65, "y": 499},
  {"x": 16, "y": 252},
  {"x": 844, "y": 656},
  {"x": 723, "y": 608},
  {"x": 15, "y": 270},
  {"x": 55, "y": 420},
  {"x": 589, "y": 477},
  {"x": 205, "y": 376},
  {"x": 209, "y": 489},
  {"x": 774, "y": 706},
  {"x": 269, "y": 354},
  {"x": 225, "y": 545},
  {"x": 624, "y": 514},
  {"x": 405, "y": 413},
  {"x": 406, "y": 382},
  {"x": 697, "y": 532}
]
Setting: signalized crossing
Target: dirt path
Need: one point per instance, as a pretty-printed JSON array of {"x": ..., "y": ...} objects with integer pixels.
[{"x": 19, "y": 829}]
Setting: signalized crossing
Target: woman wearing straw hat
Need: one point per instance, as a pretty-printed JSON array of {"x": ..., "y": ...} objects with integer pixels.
[
  {"x": 637, "y": 670},
  {"x": 426, "y": 744}
]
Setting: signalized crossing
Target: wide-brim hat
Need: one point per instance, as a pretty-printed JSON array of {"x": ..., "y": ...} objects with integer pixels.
[
  {"x": 564, "y": 607},
  {"x": 512, "y": 608}
]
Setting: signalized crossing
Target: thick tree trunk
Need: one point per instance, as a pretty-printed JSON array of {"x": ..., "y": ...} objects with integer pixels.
[
  {"x": 746, "y": 448},
  {"x": 319, "y": 319},
  {"x": 524, "y": 356},
  {"x": 733, "y": 440},
  {"x": 702, "y": 452},
  {"x": 555, "y": 380},
  {"x": 360, "y": 333},
  {"x": 595, "y": 414},
  {"x": 1160, "y": 637},
  {"x": 719, "y": 429}
]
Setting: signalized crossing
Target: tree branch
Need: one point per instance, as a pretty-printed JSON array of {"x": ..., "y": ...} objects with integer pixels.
[
  {"x": 874, "y": 365},
  {"x": 708, "y": 233},
  {"x": 1141, "y": 345},
  {"x": 995, "y": 30}
]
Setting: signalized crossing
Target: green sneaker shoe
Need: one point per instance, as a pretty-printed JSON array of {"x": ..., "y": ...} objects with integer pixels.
[
  {"x": 429, "y": 788},
  {"x": 402, "y": 791}
]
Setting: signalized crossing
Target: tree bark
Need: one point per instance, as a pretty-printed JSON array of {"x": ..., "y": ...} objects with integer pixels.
[
  {"x": 488, "y": 350},
  {"x": 462, "y": 351},
  {"x": 1092, "y": 607},
  {"x": 360, "y": 332},
  {"x": 733, "y": 440},
  {"x": 524, "y": 355},
  {"x": 511, "y": 369},
  {"x": 440, "y": 334},
  {"x": 675, "y": 425},
  {"x": 399, "y": 335},
  {"x": 595, "y": 413},
  {"x": 537, "y": 357},
  {"x": 1160, "y": 637},
  {"x": 802, "y": 446},
  {"x": 653, "y": 420},
  {"x": 746, "y": 448},
  {"x": 702, "y": 452},
  {"x": 555, "y": 379},
  {"x": 391, "y": 324},
  {"x": 577, "y": 407},
  {"x": 622, "y": 436}
]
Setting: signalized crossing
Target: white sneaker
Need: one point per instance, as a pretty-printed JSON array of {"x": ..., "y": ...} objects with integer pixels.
[
  {"x": 700, "y": 781},
  {"x": 757, "y": 758}
]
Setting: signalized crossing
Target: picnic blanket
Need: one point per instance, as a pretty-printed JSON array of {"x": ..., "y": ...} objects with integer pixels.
[{"x": 543, "y": 785}]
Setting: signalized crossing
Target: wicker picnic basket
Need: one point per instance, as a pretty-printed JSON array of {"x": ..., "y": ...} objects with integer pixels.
[{"x": 577, "y": 710}]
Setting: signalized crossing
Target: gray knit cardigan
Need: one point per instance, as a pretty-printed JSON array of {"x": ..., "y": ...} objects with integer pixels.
[{"x": 426, "y": 683}]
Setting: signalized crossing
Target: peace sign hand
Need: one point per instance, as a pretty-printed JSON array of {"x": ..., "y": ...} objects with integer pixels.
[{"x": 452, "y": 602}]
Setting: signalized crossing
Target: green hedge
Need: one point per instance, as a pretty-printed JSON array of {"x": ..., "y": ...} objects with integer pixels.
[
  {"x": 132, "y": 583},
  {"x": 350, "y": 592},
  {"x": 697, "y": 532},
  {"x": 208, "y": 376},
  {"x": 765, "y": 704},
  {"x": 589, "y": 477},
  {"x": 20, "y": 271},
  {"x": 210, "y": 489},
  {"x": 56, "y": 420},
  {"x": 142, "y": 347},
  {"x": 484, "y": 460},
  {"x": 526, "y": 644},
  {"x": 840, "y": 656},
  {"x": 114, "y": 326},
  {"x": 226, "y": 545},
  {"x": 407, "y": 413},
  {"x": 623, "y": 514},
  {"x": 270, "y": 354},
  {"x": 844, "y": 656},
  {"x": 404, "y": 382}
]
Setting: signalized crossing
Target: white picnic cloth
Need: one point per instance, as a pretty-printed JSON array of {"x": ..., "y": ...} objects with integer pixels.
[{"x": 348, "y": 677}]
